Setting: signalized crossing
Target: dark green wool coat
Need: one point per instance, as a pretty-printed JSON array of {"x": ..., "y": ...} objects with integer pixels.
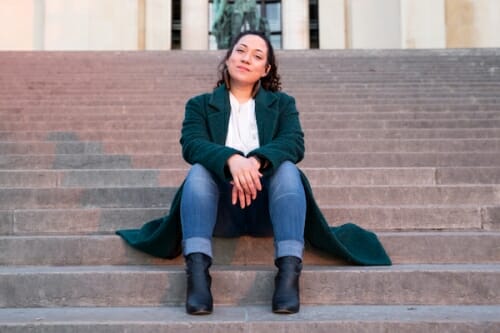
[{"x": 281, "y": 139}]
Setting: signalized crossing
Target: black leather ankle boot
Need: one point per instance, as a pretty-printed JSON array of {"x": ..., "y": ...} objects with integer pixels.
[
  {"x": 286, "y": 290},
  {"x": 199, "y": 297}
]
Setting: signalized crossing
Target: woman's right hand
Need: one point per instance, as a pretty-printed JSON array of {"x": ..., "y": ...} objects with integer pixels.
[{"x": 237, "y": 195}]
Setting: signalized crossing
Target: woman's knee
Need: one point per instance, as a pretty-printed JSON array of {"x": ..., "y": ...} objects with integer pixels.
[
  {"x": 198, "y": 170},
  {"x": 286, "y": 169},
  {"x": 199, "y": 179},
  {"x": 287, "y": 172}
]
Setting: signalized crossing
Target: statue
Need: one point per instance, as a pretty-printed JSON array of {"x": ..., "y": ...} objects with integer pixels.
[
  {"x": 221, "y": 27},
  {"x": 230, "y": 20}
]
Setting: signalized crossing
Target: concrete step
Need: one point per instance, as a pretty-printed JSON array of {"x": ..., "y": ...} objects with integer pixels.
[
  {"x": 75, "y": 221},
  {"x": 117, "y": 79},
  {"x": 55, "y": 286},
  {"x": 306, "y": 124},
  {"x": 305, "y": 106},
  {"x": 475, "y": 89},
  {"x": 151, "y": 82},
  {"x": 312, "y": 145},
  {"x": 61, "y": 198},
  {"x": 97, "y": 178},
  {"x": 312, "y": 160},
  {"x": 444, "y": 108},
  {"x": 373, "y": 71},
  {"x": 107, "y": 113},
  {"x": 373, "y": 124},
  {"x": 362, "y": 160},
  {"x": 174, "y": 134},
  {"x": 404, "y": 101},
  {"x": 253, "y": 319},
  {"x": 152, "y": 197},
  {"x": 424, "y": 247},
  {"x": 476, "y": 97},
  {"x": 316, "y": 176},
  {"x": 205, "y": 73},
  {"x": 332, "y": 114},
  {"x": 414, "y": 217},
  {"x": 107, "y": 220},
  {"x": 401, "y": 176}
]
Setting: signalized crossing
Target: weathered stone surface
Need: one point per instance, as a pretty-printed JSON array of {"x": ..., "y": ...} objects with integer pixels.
[
  {"x": 405, "y": 143},
  {"x": 6, "y": 222},
  {"x": 81, "y": 221},
  {"x": 253, "y": 319},
  {"x": 468, "y": 284},
  {"x": 491, "y": 218},
  {"x": 403, "y": 248}
]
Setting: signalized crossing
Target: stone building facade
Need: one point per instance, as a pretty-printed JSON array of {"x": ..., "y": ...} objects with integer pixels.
[{"x": 296, "y": 24}]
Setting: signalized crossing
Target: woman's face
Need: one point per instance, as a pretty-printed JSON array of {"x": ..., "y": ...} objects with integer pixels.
[{"x": 248, "y": 60}]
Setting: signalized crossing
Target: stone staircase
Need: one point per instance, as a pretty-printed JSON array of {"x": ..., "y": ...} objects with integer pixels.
[{"x": 405, "y": 143}]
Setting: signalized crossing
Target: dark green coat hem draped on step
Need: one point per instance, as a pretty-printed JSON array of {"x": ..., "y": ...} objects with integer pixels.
[
  {"x": 281, "y": 139},
  {"x": 162, "y": 237}
]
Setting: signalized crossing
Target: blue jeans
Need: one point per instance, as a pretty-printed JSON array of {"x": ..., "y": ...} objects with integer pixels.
[{"x": 206, "y": 211}]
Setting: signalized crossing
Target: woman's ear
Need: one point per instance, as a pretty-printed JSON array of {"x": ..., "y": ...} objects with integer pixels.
[{"x": 268, "y": 68}]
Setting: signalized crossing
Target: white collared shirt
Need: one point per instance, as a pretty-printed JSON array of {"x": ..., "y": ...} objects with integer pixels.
[{"x": 242, "y": 133}]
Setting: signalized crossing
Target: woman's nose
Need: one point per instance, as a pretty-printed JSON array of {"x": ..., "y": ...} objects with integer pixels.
[{"x": 245, "y": 58}]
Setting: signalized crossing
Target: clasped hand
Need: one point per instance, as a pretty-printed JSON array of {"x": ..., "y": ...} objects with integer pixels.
[{"x": 246, "y": 179}]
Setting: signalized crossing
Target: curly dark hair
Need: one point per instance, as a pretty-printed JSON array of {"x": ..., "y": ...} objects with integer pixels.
[{"x": 272, "y": 81}]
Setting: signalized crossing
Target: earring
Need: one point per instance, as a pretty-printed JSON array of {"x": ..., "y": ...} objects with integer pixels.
[{"x": 225, "y": 74}]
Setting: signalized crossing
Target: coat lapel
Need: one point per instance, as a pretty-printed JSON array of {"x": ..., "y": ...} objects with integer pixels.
[
  {"x": 218, "y": 114},
  {"x": 266, "y": 113}
]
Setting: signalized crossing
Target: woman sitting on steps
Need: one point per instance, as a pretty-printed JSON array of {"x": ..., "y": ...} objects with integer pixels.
[{"x": 243, "y": 141}]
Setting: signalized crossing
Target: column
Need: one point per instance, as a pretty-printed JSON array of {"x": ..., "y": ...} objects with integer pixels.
[
  {"x": 332, "y": 25},
  {"x": 472, "y": 23},
  {"x": 295, "y": 23},
  {"x": 141, "y": 24},
  {"x": 113, "y": 25},
  {"x": 488, "y": 23},
  {"x": 66, "y": 25},
  {"x": 39, "y": 25},
  {"x": 158, "y": 25},
  {"x": 423, "y": 24},
  {"x": 91, "y": 25},
  {"x": 374, "y": 24},
  {"x": 16, "y": 25},
  {"x": 194, "y": 25}
]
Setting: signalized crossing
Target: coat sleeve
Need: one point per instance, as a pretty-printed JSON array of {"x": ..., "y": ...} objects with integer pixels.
[
  {"x": 198, "y": 145},
  {"x": 287, "y": 143}
]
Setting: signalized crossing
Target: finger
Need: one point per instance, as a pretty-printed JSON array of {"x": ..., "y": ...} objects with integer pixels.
[
  {"x": 246, "y": 183},
  {"x": 237, "y": 183},
  {"x": 256, "y": 182},
  {"x": 234, "y": 195},
  {"x": 249, "y": 199},
  {"x": 241, "y": 196},
  {"x": 249, "y": 181}
]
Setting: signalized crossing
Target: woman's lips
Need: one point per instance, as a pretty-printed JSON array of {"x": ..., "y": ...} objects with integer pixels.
[{"x": 243, "y": 68}]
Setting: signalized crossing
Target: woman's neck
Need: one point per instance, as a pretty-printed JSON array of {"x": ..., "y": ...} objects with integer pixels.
[{"x": 241, "y": 93}]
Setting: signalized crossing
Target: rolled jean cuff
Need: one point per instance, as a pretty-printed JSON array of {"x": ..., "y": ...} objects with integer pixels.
[
  {"x": 197, "y": 244},
  {"x": 289, "y": 248}
]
